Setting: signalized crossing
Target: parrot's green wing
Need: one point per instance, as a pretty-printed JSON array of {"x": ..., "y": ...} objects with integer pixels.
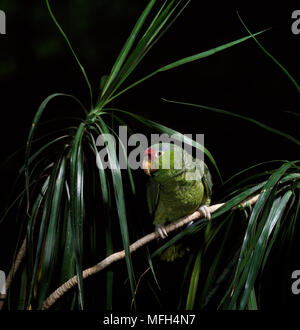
[
  {"x": 206, "y": 179},
  {"x": 152, "y": 195}
]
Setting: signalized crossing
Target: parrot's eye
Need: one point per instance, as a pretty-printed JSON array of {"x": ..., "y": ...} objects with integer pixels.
[{"x": 159, "y": 153}]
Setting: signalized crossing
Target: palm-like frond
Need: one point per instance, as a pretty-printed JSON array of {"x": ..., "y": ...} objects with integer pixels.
[
  {"x": 270, "y": 222},
  {"x": 61, "y": 186}
]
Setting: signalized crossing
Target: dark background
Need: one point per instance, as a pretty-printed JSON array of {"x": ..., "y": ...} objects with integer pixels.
[{"x": 35, "y": 62}]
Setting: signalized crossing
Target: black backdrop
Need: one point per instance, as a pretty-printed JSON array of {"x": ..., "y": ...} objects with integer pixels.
[{"x": 35, "y": 62}]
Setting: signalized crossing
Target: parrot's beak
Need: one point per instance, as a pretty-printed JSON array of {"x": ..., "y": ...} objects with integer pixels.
[
  {"x": 148, "y": 157},
  {"x": 147, "y": 166}
]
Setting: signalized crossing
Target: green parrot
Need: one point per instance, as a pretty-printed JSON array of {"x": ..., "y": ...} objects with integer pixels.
[{"x": 178, "y": 186}]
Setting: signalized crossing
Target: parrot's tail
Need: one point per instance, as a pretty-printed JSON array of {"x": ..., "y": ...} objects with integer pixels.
[{"x": 174, "y": 252}]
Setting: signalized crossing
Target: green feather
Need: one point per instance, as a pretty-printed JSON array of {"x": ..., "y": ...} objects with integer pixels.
[
  {"x": 152, "y": 195},
  {"x": 176, "y": 191}
]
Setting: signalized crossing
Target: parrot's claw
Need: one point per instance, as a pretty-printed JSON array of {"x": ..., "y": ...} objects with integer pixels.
[
  {"x": 161, "y": 230},
  {"x": 204, "y": 211}
]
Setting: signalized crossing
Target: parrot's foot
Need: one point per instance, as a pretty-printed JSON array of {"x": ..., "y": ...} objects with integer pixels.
[
  {"x": 161, "y": 230},
  {"x": 204, "y": 211}
]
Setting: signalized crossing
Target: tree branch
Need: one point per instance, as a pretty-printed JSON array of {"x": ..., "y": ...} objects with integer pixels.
[
  {"x": 14, "y": 269},
  {"x": 59, "y": 292}
]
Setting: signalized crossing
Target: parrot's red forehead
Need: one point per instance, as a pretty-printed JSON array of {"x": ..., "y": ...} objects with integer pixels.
[{"x": 150, "y": 153}]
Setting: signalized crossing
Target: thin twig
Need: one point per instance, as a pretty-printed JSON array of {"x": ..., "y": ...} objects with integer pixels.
[
  {"x": 14, "y": 268},
  {"x": 59, "y": 292},
  {"x": 137, "y": 286}
]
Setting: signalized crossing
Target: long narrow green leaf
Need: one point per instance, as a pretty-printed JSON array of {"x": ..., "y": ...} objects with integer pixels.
[
  {"x": 290, "y": 177},
  {"x": 232, "y": 114},
  {"x": 68, "y": 264},
  {"x": 31, "y": 223},
  {"x": 68, "y": 260},
  {"x": 255, "y": 166},
  {"x": 248, "y": 245},
  {"x": 108, "y": 229},
  {"x": 121, "y": 145},
  {"x": 215, "y": 264},
  {"x": 120, "y": 201},
  {"x": 202, "y": 222},
  {"x": 293, "y": 113},
  {"x": 275, "y": 215},
  {"x": 193, "y": 229},
  {"x": 43, "y": 229},
  {"x": 276, "y": 232},
  {"x": 102, "y": 175},
  {"x": 248, "y": 256},
  {"x": 293, "y": 177},
  {"x": 290, "y": 230},
  {"x": 271, "y": 56},
  {"x": 149, "y": 39},
  {"x": 13, "y": 203},
  {"x": 236, "y": 200},
  {"x": 23, "y": 290},
  {"x": 42, "y": 149},
  {"x": 152, "y": 267},
  {"x": 179, "y": 136},
  {"x": 183, "y": 61},
  {"x": 192, "y": 292},
  {"x": 119, "y": 120},
  {"x": 244, "y": 179},
  {"x": 35, "y": 122},
  {"x": 76, "y": 205},
  {"x": 226, "y": 273},
  {"x": 51, "y": 237},
  {"x": 187, "y": 271},
  {"x": 126, "y": 49},
  {"x": 157, "y": 30},
  {"x": 109, "y": 251},
  {"x": 259, "y": 205},
  {"x": 252, "y": 303},
  {"x": 243, "y": 264},
  {"x": 72, "y": 51},
  {"x": 261, "y": 202}
]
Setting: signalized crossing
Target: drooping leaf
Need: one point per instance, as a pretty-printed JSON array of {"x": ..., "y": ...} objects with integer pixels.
[
  {"x": 120, "y": 200},
  {"x": 192, "y": 292},
  {"x": 72, "y": 51},
  {"x": 77, "y": 206},
  {"x": 274, "y": 216},
  {"x": 48, "y": 262},
  {"x": 183, "y": 61},
  {"x": 292, "y": 79},
  {"x": 35, "y": 122},
  {"x": 127, "y": 47},
  {"x": 256, "y": 122},
  {"x": 43, "y": 227},
  {"x": 171, "y": 132}
]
